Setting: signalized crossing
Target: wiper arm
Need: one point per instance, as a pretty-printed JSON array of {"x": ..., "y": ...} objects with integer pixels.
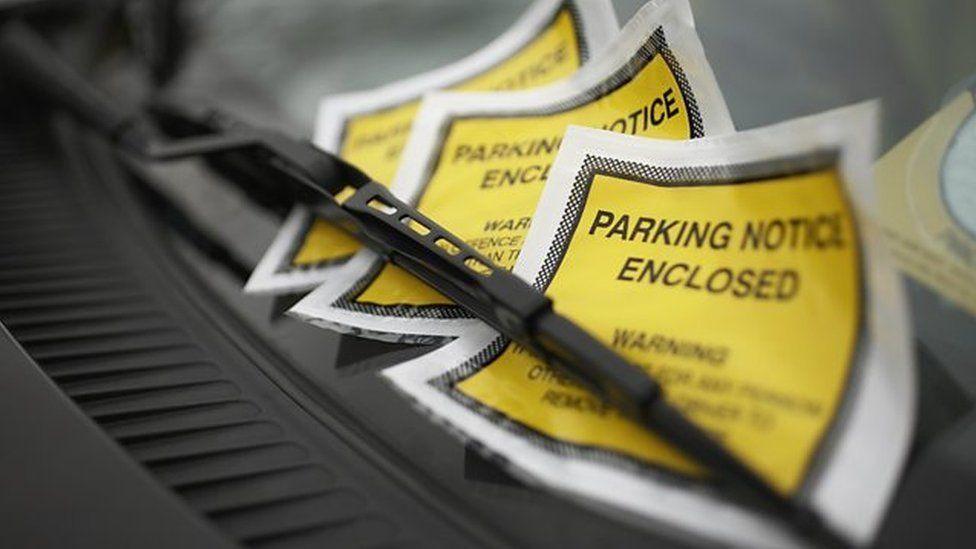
[{"x": 407, "y": 238}]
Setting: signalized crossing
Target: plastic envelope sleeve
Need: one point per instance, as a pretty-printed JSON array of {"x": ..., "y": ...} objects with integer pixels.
[{"x": 747, "y": 274}]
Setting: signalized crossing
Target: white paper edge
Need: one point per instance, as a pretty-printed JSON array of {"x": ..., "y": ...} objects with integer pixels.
[
  {"x": 440, "y": 107},
  {"x": 598, "y": 23}
]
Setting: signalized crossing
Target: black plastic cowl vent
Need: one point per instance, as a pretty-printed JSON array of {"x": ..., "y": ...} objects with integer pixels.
[{"x": 204, "y": 426}]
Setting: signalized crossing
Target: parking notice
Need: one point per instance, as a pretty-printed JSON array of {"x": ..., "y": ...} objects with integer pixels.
[
  {"x": 705, "y": 286},
  {"x": 375, "y": 140}
]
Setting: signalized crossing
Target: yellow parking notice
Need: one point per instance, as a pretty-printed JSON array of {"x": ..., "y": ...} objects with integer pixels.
[
  {"x": 707, "y": 287},
  {"x": 374, "y": 141},
  {"x": 370, "y": 130}
]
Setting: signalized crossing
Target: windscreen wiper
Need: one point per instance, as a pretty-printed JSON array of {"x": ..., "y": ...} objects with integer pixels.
[{"x": 403, "y": 236}]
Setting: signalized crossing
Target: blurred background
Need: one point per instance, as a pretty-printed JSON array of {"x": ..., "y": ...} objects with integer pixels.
[{"x": 774, "y": 59}]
